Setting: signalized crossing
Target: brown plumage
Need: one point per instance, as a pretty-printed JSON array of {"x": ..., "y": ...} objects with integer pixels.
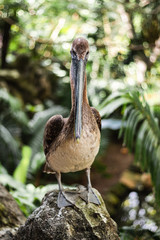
[{"x": 69, "y": 144}]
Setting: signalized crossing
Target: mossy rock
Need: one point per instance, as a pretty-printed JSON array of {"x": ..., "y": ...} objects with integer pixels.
[
  {"x": 80, "y": 221},
  {"x": 10, "y": 215}
]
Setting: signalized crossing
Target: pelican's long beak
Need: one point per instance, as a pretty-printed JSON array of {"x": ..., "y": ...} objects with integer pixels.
[{"x": 79, "y": 85}]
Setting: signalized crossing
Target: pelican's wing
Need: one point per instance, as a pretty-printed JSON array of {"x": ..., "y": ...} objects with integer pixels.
[
  {"x": 97, "y": 117},
  {"x": 52, "y": 130}
]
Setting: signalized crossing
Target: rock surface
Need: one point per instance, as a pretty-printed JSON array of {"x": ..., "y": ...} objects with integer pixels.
[
  {"x": 79, "y": 222},
  {"x": 10, "y": 215}
]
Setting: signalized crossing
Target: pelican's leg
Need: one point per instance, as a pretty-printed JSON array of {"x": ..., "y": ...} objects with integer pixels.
[
  {"x": 90, "y": 196},
  {"x": 62, "y": 200}
]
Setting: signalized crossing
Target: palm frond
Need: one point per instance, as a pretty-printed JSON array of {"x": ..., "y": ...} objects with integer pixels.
[
  {"x": 12, "y": 120},
  {"x": 8, "y": 139},
  {"x": 113, "y": 105},
  {"x": 141, "y": 133},
  {"x": 12, "y": 106}
]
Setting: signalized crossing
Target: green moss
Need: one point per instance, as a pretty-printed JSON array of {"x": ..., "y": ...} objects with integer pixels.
[
  {"x": 6, "y": 217},
  {"x": 2, "y": 207},
  {"x": 93, "y": 213},
  {"x": 4, "y": 220}
]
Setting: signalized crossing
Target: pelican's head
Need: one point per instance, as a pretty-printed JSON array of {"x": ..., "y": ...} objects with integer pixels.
[
  {"x": 80, "y": 49},
  {"x": 79, "y": 54}
]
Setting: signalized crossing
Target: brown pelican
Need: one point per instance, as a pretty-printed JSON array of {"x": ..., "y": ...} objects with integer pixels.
[{"x": 71, "y": 144}]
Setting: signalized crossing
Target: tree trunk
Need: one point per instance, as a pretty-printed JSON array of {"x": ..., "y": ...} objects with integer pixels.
[
  {"x": 81, "y": 221},
  {"x": 5, "y": 43}
]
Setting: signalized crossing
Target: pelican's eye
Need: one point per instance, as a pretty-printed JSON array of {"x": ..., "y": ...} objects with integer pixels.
[
  {"x": 87, "y": 55},
  {"x": 73, "y": 54}
]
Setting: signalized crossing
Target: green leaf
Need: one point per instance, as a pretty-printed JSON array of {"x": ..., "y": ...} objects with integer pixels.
[
  {"x": 7, "y": 180},
  {"x": 112, "y": 96},
  {"x": 127, "y": 110},
  {"x": 129, "y": 127},
  {"x": 112, "y": 106},
  {"x": 8, "y": 140},
  {"x": 20, "y": 172}
]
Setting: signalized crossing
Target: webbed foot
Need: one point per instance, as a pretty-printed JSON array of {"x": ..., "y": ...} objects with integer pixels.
[
  {"x": 90, "y": 196},
  {"x": 67, "y": 198},
  {"x": 62, "y": 200}
]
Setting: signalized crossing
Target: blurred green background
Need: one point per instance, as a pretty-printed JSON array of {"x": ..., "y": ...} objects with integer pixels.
[{"x": 123, "y": 73}]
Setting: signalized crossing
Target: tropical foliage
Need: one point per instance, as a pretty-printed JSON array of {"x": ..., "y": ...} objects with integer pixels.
[
  {"x": 12, "y": 121},
  {"x": 140, "y": 130},
  {"x": 35, "y": 41},
  {"x": 27, "y": 196}
]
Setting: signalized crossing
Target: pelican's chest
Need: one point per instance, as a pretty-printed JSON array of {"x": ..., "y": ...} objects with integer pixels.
[
  {"x": 73, "y": 155},
  {"x": 87, "y": 146}
]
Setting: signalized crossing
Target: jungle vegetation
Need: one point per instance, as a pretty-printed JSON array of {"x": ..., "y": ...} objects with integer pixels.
[{"x": 123, "y": 75}]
